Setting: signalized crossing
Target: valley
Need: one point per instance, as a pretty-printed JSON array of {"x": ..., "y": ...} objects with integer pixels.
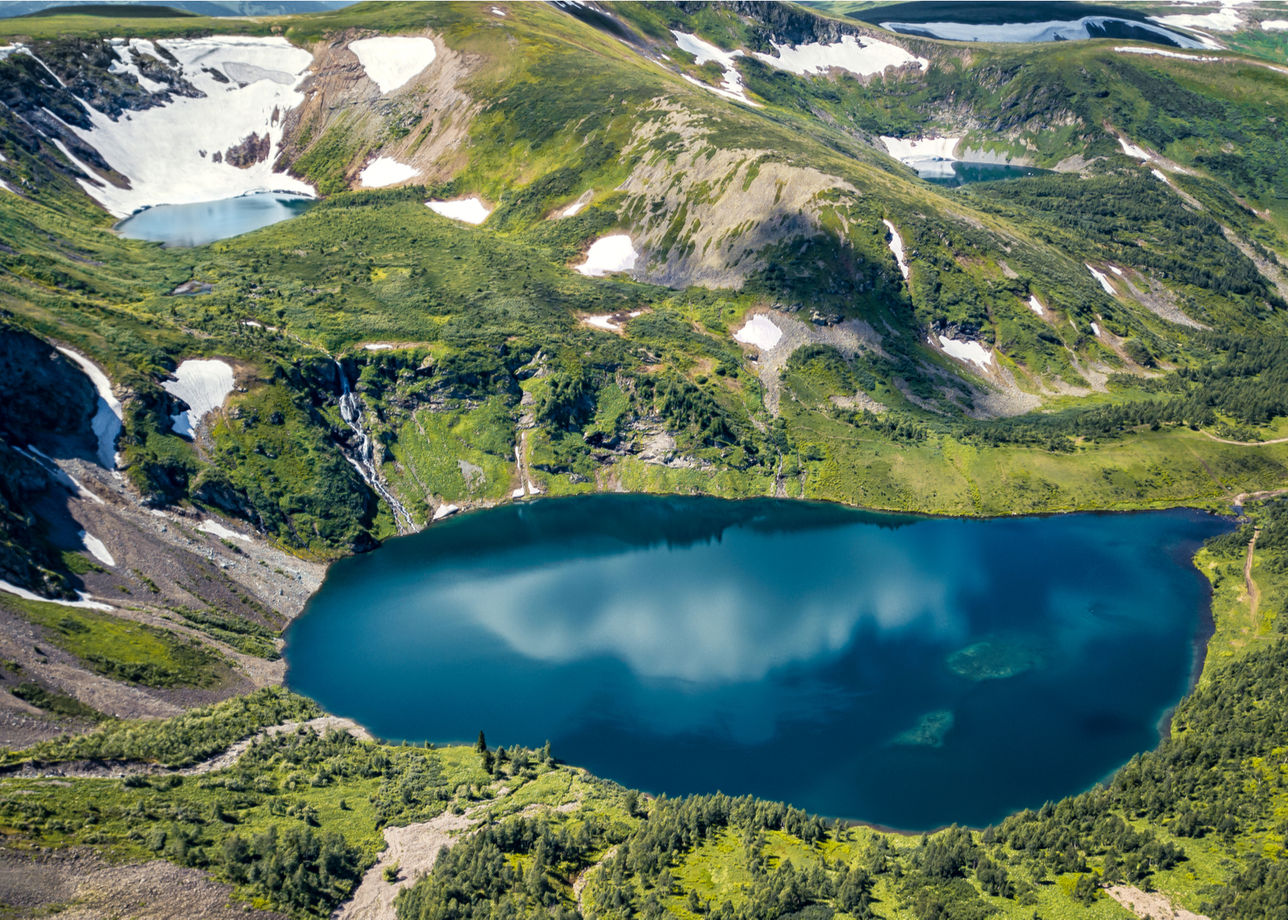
[{"x": 276, "y": 290}]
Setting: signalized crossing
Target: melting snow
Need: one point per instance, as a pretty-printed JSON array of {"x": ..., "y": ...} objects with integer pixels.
[
  {"x": 203, "y": 385},
  {"x": 384, "y": 171},
  {"x": 391, "y": 60},
  {"x": 731, "y": 87},
  {"x": 224, "y": 533},
  {"x": 575, "y": 208},
  {"x": 1133, "y": 151},
  {"x": 125, "y": 63},
  {"x": 611, "y": 322},
  {"x": 896, "y": 247},
  {"x": 1095, "y": 330},
  {"x": 469, "y": 210},
  {"x": 443, "y": 511},
  {"x": 862, "y": 58},
  {"x": 85, "y": 600},
  {"x": 1104, "y": 281},
  {"x": 107, "y": 418},
  {"x": 1159, "y": 52},
  {"x": 517, "y": 493},
  {"x": 1275, "y": 25},
  {"x": 760, "y": 332},
  {"x": 609, "y": 254},
  {"x": 497, "y": 12},
  {"x": 160, "y": 149},
  {"x": 1048, "y": 31},
  {"x": 5, "y": 186},
  {"x": 1160, "y": 176},
  {"x": 1226, "y": 19},
  {"x": 96, "y": 548},
  {"x": 57, "y": 473},
  {"x": 931, "y": 157},
  {"x": 1036, "y": 305},
  {"x": 973, "y": 352}
]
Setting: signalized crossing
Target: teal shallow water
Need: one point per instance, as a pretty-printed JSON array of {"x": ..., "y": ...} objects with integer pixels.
[
  {"x": 905, "y": 671},
  {"x": 206, "y": 221}
]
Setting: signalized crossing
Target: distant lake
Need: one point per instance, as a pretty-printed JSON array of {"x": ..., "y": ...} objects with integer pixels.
[
  {"x": 905, "y": 671},
  {"x": 957, "y": 173},
  {"x": 207, "y": 221}
]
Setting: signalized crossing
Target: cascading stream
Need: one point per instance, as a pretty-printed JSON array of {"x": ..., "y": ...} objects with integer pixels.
[{"x": 351, "y": 412}]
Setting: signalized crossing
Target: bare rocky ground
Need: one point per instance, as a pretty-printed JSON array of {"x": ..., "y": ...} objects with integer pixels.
[
  {"x": 77, "y": 884},
  {"x": 1149, "y": 905}
]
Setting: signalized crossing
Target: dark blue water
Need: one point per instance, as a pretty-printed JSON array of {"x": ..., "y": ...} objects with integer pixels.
[
  {"x": 905, "y": 671},
  {"x": 963, "y": 173},
  {"x": 207, "y": 221}
]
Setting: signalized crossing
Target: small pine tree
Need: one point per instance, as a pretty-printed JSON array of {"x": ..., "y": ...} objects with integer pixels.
[{"x": 481, "y": 744}]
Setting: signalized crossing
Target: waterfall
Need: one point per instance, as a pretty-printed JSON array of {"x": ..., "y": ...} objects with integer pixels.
[{"x": 351, "y": 412}]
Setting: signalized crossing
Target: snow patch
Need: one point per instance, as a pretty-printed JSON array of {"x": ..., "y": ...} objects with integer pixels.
[
  {"x": 759, "y": 332},
  {"x": 203, "y": 385},
  {"x": 1226, "y": 19},
  {"x": 214, "y": 528},
  {"x": 731, "y": 87},
  {"x": 497, "y": 12},
  {"x": 1275, "y": 25},
  {"x": 1053, "y": 30},
  {"x": 1138, "y": 153},
  {"x": 896, "y": 247},
  {"x": 1158, "y": 174},
  {"x": 1036, "y": 305},
  {"x": 468, "y": 210},
  {"x": 391, "y": 60},
  {"x": 5, "y": 187},
  {"x": 160, "y": 150},
  {"x": 85, "y": 602},
  {"x": 97, "y": 548},
  {"x": 1159, "y": 52},
  {"x": 107, "y": 418},
  {"x": 609, "y": 254},
  {"x": 378, "y": 346},
  {"x": 1104, "y": 281},
  {"x": 970, "y": 351},
  {"x": 862, "y": 58},
  {"x": 1095, "y": 330},
  {"x": 517, "y": 493},
  {"x": 931, "y": 157},
  {"x": 383, "y": 171},
  {"x": 57, "y": 473},
  {"x": 575, "y": 208},
  {"x": 611, "y": 322},
  {"x": 443, "y": 511}
]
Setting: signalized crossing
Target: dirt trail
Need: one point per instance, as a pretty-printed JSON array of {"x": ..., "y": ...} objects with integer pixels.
[
  {"x": 1150, "y": 905},
  {"x": 1254, "y": 595},
  {"x": 1213, "y": 437},
  {"x": 218, "y": 762}
]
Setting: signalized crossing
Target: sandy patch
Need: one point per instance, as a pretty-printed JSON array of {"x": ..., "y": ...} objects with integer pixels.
[{"x": 391, "y": 60}]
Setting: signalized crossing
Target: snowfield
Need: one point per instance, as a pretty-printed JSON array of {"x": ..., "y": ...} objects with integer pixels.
[
  {"x": 896, "y": 247},
  {"x": 1159, "y": 52},
  {"x": 1104, "y": 281},
  {"x": 1053, "y": 30},
  {"x": 169, "y": 152},
  {"x": 861, "y": 58},
  {"x": 391, "y": 60},
  {"x": 1036, "y": 305},
  {"x": 203, "y": 385},
  {"x": 96, "y": 548},
  {"x": 759, "y": 332},
  {"x": 107, "y": 418},
  {"x": 609, "y": 254},
  {"x": 467, "y": 210},
  {"x": 973, "y": 352},
  {"x": 384, "y": 171},
  {"x": 731, "y": 87}
]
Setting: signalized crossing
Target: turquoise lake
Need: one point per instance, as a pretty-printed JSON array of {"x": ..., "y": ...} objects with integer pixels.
[
  {"x": 905, "y": 671},
  {"x": 207, "y": 221}
]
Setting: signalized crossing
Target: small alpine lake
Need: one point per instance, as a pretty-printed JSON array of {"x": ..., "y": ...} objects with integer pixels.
[
  {"x": 205, "y": 222},
  {"x": 905, "y": 671}
]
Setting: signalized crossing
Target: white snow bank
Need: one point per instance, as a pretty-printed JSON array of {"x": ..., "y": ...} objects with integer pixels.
[
  {"x": 862, "y": 58},
  {"x": 1226, "y": 19},
  {"x": 973, "y": 352},
  {"x": 391, "y": 60},
  {"x": 468, "y": 210},
  {"x": 57, "y": 473},
  {"x": 1116, "y": 270},
  {"x": 1036, "y": 305},
  {"x": 168, "y": 152},
  {"x": 383, "y": 171},
  {"x": 610, "y": 322},
  {"x": 1274, "y": 25},
  {"x": 517, "y": 493},
  {"x": 1053, "y": 30},
  {"x": 921, "y": 148},
  {"x": 1104, "y": 281},
  {"x": 497, "y": 12},
  {"x": 1095, "y": 330},
  {"x": 575, "y": 208},
  {"x": 443, "y": 511},
  {"x": 214, "y": 528},
  {"x": 609, "y": 254},
  {"x": 126, "y": 64},
  {"x": 203, "y": 385},
  {"x": 731, "y": 87},
  {"x": 1160, "y": 176},
  {"x": 107, "y": 418},
  {"x": 97, "y": 548},
  {"x": 760, "y": 332},
  {"x": 1138, "y": 153},
  {"x": 5, "y": 187},
  {"x": 896, "y": 247},
  {"x": 84, "y": 602},
  {"x": 1159, "y": 52},
  {"x": 378, "y": 346}
]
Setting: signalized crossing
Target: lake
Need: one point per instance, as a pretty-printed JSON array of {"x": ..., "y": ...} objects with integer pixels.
[
  {"x": 905, "y": 671},
  {"x": 206, "y": 221},
  {"x": 957, "y": 173}
]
